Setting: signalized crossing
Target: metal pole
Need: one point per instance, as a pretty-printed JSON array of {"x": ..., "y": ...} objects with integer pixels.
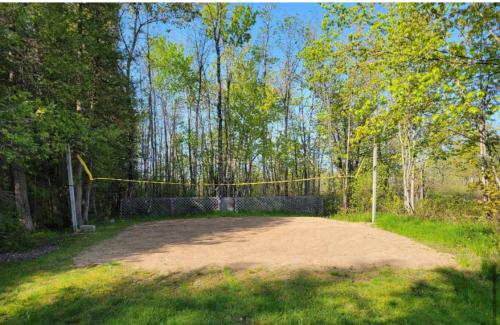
[
  {"x": 71, "y": 188},
  {"x": 374, "y": 182}
]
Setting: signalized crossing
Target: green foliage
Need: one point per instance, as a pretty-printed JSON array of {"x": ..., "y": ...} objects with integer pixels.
[
  {"x": 387, "y": 197},
  {"x": 332, "y": 203},
  {"x": 9, "y": 224},
  {"x": 173, "y": 68},
  {"x": 214, "y": 16},
  {"x": 32, "y": 131},
  {"x": 397, "y": 73},
  {"x": 234, "y": 30},
  {"x": 60, "y": 84},
  {"x": 254, "y": 106},
  {"x": 242, "y": 19},
  {"x": 18, "y": 240},
  {"x": 417, "y": 79},
  {"x": 449, "y": 207}
]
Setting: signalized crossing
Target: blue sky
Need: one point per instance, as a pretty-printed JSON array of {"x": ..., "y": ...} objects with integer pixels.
[{"x": 310, "y": 13}]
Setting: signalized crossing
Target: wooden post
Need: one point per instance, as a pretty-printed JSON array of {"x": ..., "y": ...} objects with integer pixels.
[
  {"x": 71, "y": 188},
  {"x": 374, "y": 182}
]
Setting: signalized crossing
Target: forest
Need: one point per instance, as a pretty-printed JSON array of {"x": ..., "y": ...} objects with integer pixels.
[
  {"x": 246, "y": 95},
  {"x": 249, "y": 163}
]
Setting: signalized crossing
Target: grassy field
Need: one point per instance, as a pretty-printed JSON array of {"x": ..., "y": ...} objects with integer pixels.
[
  {"x": 50, "y": 290},
  {"x": 470, "y": 242}
]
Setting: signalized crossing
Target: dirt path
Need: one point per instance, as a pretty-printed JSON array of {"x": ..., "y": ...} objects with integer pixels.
[
  {"x": 292, "y": 242},
  {"x": 29, "y": 255}
]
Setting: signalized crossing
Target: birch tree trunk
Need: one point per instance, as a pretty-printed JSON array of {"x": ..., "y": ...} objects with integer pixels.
[
  {"x": 345, "y": 182},
  {"x": 483, "y": 157},
  {"x": 412, "y": 186},
  {"x": 422, "y": 182},
  {"x": 407, "y": 161},
  {"x": 374, "y": 182}
]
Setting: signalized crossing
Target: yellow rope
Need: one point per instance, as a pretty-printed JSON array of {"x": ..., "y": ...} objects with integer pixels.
[
  {"x": 136, "y": 181},
  {"x": 92, "y": 178},
  {"x": 84, "y": 165},
  {"x": 359, "y": 168},
  {"x": 285, "y": 181}
]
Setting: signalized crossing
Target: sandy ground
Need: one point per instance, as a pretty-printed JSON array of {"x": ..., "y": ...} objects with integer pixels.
[{"x": 291, "y": 242}]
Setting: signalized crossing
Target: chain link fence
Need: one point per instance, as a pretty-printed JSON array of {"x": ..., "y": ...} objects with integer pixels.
[{"x": 172, "y": 206}]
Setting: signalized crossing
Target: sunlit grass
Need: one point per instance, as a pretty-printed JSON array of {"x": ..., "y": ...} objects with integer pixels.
[
  {"x": 50, "y": 290},
  {"x": 470, "y": 241},
  {"x": 114, "y": 294}
]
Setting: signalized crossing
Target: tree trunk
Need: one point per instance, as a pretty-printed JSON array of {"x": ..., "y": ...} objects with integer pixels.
[
  {"x": 71, "y": 188},
  {"x": 412, "y": 186},
  {"x": 131, "y": 159},
  {"x": 78, "y": 193},
  {"x": 151, "y": 134},
  {"x": 287, "y": 113},
  {"x": 374, "y": 182},
  {"x": 86, "y": 203},
  {"x": 220, "y": 161},
  {"x": 21, "y": 195},
  {"x": 422, "y": 182},
  {"x": 407, "y": 162},
  {"x": 345, "y": 183},
  {"x": 483, "y": 159},
  {"x": 197, "y": 124},
  {"x": 165, "y": 135},
  {"x": 228, "y": 170}
]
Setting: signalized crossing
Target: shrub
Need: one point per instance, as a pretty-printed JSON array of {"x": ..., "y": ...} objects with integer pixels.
[
  {"x": 450, "y": 207},
  {"x": 387, "y": 198}
]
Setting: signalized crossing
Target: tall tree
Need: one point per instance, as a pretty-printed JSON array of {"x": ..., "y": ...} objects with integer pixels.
[
  {"x": 135, "y": 20},
  {"x": 224, "y": 31},
  {"x": 473, "y": 65}
]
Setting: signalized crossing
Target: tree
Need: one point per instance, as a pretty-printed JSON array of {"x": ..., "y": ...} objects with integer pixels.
[
  {"x": 174, "y": 78},
  {"x": 233, "y": 33},
  {"x": 337, "y": 74},
  {"x": 135, "y": 20},
  {"x": 58, "y": 57},
  {"x": 290, "y": 43},
  {"x": 473, "y": 66}
]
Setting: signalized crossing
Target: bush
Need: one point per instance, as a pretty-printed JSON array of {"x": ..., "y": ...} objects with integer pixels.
[
  {"x": 12, "y": 232},
  {"x": 21, "y": 240},
  {"x": 331, "y": 203},
  {"x": 450, "y": 207},
  {"x": 9, "y": 221},
  {"x": 387, "y": 198},
  {"x": 13, "y": 236}
]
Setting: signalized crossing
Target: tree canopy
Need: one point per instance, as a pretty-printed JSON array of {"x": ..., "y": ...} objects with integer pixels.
[{"x": 247, "y": 96}]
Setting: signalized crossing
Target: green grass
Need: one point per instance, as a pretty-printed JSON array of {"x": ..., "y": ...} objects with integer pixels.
[
  {"x": 20, "y": 241},
  {"x": 469, "y": 241},
  {"x": 50, "y": 290}
]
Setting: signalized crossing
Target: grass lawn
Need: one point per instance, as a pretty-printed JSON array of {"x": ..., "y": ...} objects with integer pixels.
[
  {"x": 49, "y": 290},
  {"x": 468, "y": 241}
]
